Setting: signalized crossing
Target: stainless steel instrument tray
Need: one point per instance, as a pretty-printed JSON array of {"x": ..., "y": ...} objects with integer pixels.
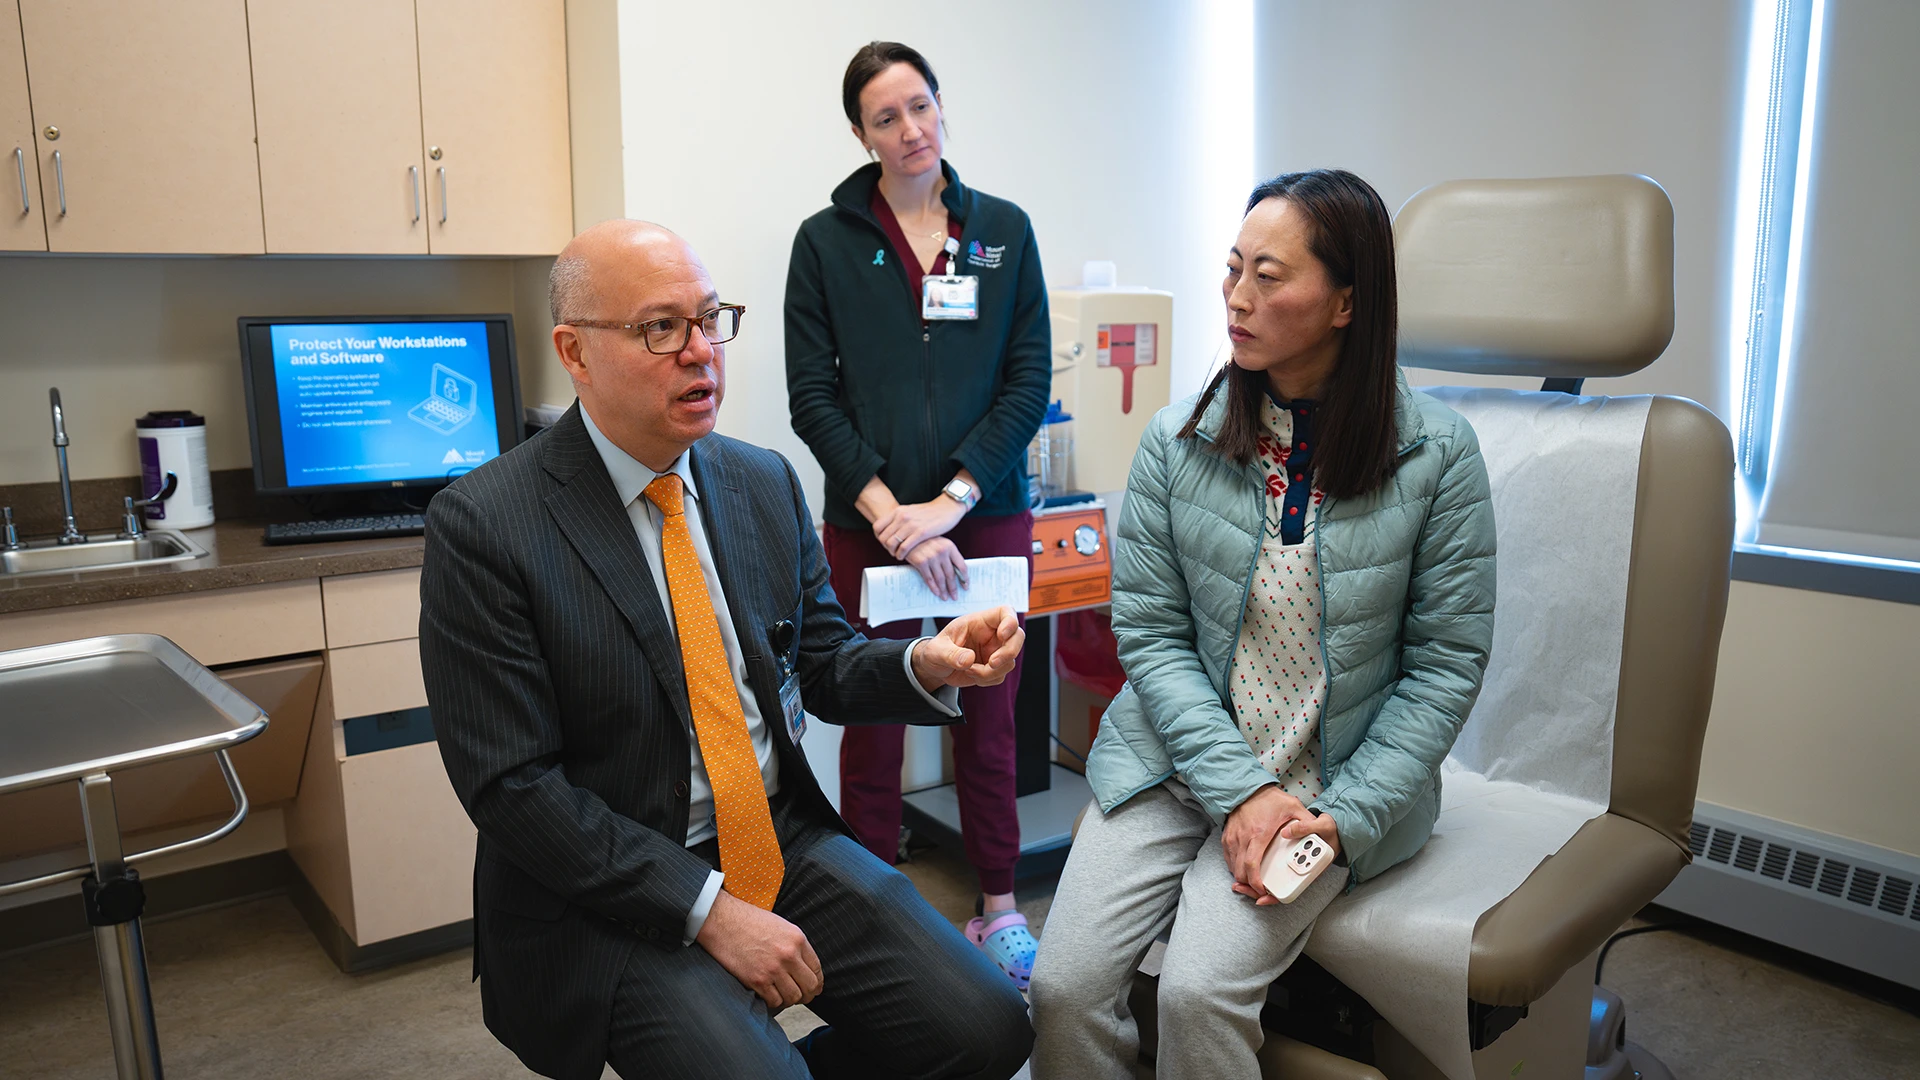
[{"x": 103, "y": 704}]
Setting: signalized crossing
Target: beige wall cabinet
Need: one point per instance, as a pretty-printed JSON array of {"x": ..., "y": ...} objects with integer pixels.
[
  {"x": 384, "y": 128},
  {"x": 143, "y": 119},
  {"x": 22, "y": 226},
  {"x": 336, "y": 90},
  {"x": 493, "y": 110}
]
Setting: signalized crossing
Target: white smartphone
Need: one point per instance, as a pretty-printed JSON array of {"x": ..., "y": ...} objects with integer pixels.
[{"x": 1289, "y": 866}]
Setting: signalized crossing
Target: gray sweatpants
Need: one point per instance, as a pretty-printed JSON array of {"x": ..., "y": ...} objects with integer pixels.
[{"x": 1157, "y": 860}]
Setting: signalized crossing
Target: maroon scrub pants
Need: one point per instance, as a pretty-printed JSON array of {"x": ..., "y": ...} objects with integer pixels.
[{"x": 983, "y": 765}]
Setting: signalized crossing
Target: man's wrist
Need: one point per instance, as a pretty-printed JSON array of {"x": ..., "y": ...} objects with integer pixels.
[
  {"x": 702, "y": 907},
  {"x": 944, "y": 698},
  {"x": 923, "y": 676}
]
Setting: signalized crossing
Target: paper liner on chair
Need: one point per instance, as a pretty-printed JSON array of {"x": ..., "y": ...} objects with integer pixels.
[{"x": 1535, "y": 761}]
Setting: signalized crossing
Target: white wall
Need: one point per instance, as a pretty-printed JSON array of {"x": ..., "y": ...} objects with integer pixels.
[
  {"x": 1408, "y": 94},
  {"x": 1812, "y": 716},
  {"x": 1102, "y": 120}
]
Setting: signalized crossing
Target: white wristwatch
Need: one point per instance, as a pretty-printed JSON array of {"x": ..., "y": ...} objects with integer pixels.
[{"x": 962, "y": 492}]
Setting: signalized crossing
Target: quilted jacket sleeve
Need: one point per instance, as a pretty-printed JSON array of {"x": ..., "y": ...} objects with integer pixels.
[
  {"x": 1154, "y": 623},
  {"x": 1446, "y": 636}
]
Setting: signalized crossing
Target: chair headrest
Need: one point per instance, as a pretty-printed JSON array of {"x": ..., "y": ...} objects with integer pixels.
[{"x": 1570, "y": 277}]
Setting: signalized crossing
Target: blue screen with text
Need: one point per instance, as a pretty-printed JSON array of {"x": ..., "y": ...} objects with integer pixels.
[{"x": 362, "y": 403}]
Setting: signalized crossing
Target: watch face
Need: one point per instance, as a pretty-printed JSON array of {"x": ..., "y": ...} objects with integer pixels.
[{"x": 1086, "y": 539}]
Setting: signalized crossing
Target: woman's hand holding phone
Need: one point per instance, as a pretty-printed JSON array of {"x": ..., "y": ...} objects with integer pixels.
[{"x": 1251, "y": 828}]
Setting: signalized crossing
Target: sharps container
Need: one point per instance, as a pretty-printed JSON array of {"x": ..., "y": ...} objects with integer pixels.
[{"x": 175, "y": 441}]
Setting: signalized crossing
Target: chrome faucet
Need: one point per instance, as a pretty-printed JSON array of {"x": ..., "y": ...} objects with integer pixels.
[{"x": 71, "y": 534}]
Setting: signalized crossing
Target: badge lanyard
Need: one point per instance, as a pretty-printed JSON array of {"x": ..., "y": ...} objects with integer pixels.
[
  {"x": 950, "y": 295},
  {"x": 782, "y": 640}
]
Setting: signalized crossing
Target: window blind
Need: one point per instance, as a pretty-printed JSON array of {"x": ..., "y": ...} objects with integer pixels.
[{"x": 1846, "y": 442}]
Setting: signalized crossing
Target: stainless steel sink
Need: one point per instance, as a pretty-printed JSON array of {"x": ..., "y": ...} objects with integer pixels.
[{"x": 103, "y": 551}]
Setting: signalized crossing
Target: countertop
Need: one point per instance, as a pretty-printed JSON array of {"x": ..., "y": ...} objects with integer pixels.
[{"x": 237, "y": 555}]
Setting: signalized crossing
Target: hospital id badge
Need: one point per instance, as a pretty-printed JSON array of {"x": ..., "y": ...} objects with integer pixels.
[
  {"x": 950, "y": 296},
  {"x": 790, "y": 704}
]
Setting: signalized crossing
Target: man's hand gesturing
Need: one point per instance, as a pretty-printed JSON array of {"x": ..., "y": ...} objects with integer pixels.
[{"x": 972, "y": 650}]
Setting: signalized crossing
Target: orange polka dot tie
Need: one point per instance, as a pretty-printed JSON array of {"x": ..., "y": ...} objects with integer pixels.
[{"x": 749, "y": 849}]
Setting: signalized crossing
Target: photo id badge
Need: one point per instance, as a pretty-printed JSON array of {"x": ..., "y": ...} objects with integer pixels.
[
  {"x": 790, "y": 704},
  {"x": 950, "y": 296}
]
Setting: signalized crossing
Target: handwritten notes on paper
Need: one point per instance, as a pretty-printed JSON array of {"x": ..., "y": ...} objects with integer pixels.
[{"x": 891, "y": 593}]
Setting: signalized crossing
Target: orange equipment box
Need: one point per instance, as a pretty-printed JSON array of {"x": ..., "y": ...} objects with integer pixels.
[{"x": 1072, "y": 564}]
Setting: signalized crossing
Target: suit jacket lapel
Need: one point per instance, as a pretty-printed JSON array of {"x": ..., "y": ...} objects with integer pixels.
[
  {"x": 587, "y": 509},
  {"x": 727, "y": 516}
]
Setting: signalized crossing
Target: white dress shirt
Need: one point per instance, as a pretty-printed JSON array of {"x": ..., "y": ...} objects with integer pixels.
[{"x": 630, "y": 480}]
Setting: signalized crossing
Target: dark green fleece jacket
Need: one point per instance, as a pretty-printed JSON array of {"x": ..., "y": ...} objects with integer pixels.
[{"x": 872, "y": 388}]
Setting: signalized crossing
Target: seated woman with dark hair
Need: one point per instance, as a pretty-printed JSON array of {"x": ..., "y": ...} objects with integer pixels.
[{"x": 1303, "y": 596}]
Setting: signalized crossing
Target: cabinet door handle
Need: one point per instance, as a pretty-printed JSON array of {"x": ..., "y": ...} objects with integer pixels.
[
  {"x": 413, "y": 179},
  {"x": 443, "y": 194},
  {"x": 60, "y": 181},
  {"x": 20, "y": 163}
]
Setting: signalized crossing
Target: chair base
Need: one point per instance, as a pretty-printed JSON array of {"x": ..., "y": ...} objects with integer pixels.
[
  {"x": 1645, "y": 1065},
  {"x": 1550, "y": 1043},
  {"x": 1609, "y": 1055}
]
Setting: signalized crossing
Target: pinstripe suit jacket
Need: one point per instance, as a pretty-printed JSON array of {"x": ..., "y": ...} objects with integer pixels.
[{"x": 561, "y": 710}]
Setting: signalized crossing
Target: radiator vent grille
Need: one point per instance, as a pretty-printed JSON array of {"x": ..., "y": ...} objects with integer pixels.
[
  {"x": 1833, "y": 877},
  {"x": 1720, "y": 846},
  {"x": 1775, "y": 865},
  {"x": 1865, "y": 884},
  {"x": 1889, "y": 893},
  {"x": 1803, "y": 867}
]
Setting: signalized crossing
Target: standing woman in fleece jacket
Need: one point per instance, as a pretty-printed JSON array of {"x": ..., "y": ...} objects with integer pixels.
[
  {"x": 918, "y": 367},
  {"x": 1303, "y": 596}
]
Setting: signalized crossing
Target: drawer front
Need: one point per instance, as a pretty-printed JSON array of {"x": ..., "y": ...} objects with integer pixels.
[
  {"x": 367, "y": 679},
  {"x": 221, "y": 626},
  {"x": 411, "y": 843},
  {"x": 365, "y": 608}
]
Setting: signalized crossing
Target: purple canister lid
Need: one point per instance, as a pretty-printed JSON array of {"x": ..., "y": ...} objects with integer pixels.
[{"x": 171, "y": 418}]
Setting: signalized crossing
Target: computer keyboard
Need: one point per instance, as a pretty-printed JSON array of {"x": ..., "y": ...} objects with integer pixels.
[{"x": 348, "y": 528}]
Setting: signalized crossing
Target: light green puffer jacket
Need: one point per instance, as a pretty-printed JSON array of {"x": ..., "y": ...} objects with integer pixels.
[{"x": 1407, "y": 579}]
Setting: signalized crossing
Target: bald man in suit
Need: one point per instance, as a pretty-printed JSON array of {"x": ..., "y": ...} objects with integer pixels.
[{"x": 624, "y": 623}]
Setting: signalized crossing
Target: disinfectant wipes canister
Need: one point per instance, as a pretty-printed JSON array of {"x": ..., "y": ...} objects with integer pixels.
[{"x": 175, "y": 441}]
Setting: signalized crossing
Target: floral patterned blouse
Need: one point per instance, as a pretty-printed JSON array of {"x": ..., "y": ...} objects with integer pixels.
[{"x": 1278, "y": 681}]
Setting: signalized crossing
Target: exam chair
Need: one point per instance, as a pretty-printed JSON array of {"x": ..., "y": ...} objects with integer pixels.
[{"x": 1566, "y": 280}]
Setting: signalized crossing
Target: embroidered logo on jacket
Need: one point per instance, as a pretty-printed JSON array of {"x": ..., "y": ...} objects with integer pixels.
[{"x": 985, "y": 257}]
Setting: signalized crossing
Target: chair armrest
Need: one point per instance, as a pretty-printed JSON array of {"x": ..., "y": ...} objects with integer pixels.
[{"x": 1567, "y": 908}]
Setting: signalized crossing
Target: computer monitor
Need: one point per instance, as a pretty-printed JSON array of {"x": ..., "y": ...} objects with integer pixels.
[{"x": 358, "y": 403}]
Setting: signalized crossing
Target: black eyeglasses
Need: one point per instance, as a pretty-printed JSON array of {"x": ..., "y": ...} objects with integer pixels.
[{"x": 668, "y": 336}]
